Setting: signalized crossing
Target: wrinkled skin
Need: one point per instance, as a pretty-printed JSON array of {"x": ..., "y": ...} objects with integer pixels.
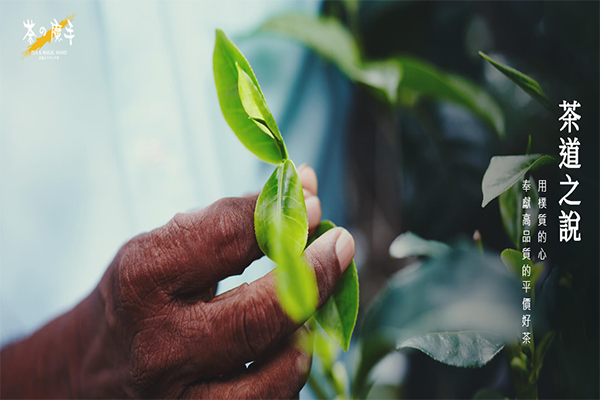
[{"x": 154, "y": 328}]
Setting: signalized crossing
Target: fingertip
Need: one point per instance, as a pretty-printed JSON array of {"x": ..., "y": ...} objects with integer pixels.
[
  {"x": 308, "y": 177},
  {"x": 313, "y": 211}
]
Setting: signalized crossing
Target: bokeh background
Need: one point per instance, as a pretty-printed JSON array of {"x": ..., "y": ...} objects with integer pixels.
[{"x": 125, "y": 130}]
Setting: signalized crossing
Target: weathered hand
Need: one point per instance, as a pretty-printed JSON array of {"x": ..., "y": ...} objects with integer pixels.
[{"x": 153, "y": 327}]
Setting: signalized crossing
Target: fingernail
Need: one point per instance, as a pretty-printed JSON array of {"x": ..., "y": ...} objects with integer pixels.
[
  {"x": 344, "y": 249},
  {"x": 313, "y": 209}
]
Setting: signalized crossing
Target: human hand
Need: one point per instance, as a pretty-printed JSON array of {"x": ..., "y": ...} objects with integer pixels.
[{"x": 153, "y": 327}]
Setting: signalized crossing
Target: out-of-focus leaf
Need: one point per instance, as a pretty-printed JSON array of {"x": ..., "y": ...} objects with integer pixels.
[
  {"x": 540, "y": 352},
  {"x": 226, "y": 56},
  {"x": 529, "y": 85},
  {"x": 460, "y": 349},
  {"x": 513, "y": 260},
  {"x": 511, "y": 209},
  {"x": 463, "y": 290},
  {"x": 326, "y": 348},
  {"x": 281, "y": 209},
  {"x": 504, "y": 171},
  {"x": 330, "y": 39},
  {"x": 420, "y": 78},
  {"x": 381, "y": 75},
  {"x": 325, "y": 35},
  {"x": 338, "y": 316},
  {"x": 295, "y": 279},
  {"x": 339, "y": 374},
  {"x": 385, "y": 392},
  {"x": 408, "y": 244}
]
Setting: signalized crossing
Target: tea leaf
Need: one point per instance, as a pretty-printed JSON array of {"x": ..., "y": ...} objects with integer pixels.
[
  {"x": 326, "y": 36},
  {"x": 326, "y": 349},
  {"x": 408, "y": 244},
  {"x": 471, "y": 349},
  {"x": 529, "y": 85},
  {"x": 257, "y": 109},
  {"x": 333, "y": 371},
  {"x": 510, "y": 211},
  {"x": 330, "y": 39},
  {"x": 281, "y": 206},
  {"x": 473, "y": 292},
  {"x": 338, "y": 316},
  {"x": 423, "y": 79},
  {"x": 510, "y": 203},
  {"x": 227, "y": 61},
  {"x": 513, "y": 260},
  {"x": 295, "y": 280},
  {"x": 540, "y": 352},
  {"x": 489, "y": 394},
  {"x": 504, "y": 171}
]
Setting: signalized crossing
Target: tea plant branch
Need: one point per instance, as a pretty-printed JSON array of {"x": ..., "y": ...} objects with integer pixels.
[{"x": 280, "y": 218}]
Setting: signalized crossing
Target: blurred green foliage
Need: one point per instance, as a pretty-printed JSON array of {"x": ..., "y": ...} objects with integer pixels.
[{"x": 418, "y": 162}]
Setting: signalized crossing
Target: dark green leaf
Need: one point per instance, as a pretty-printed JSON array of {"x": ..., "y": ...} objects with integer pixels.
[
  {"x": 463, "y": 290},
  {"x": 529, "y": 85},
  {"x": 408, "y": 244},
  {"x": 338, "y": 316},
  {"x": 540, "y": 352},
  {"x": 330, "y": 39},
  {"x": 460, "y": 349},
  {"x": 513, "y": 260},
  {"x": 488, "y": 394},
  {"x": 226, "y": 61},
  {"x": 510, "y": 211},
  {"x": 281, "y": 205},
  {"x": 327, "y": 36},
  {"x": 504, "y": 171},
  {"x": 511, "y": 203},
  {"x": 423, "y": 79}
]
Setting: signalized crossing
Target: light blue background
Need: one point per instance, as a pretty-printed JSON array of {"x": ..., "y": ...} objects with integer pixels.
[{"x": 125, "y": 131}]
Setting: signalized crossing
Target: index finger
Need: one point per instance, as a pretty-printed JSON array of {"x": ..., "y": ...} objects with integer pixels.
[
  {"x": 247, "y": 322},
  {"x": 196, "y": 250}
]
